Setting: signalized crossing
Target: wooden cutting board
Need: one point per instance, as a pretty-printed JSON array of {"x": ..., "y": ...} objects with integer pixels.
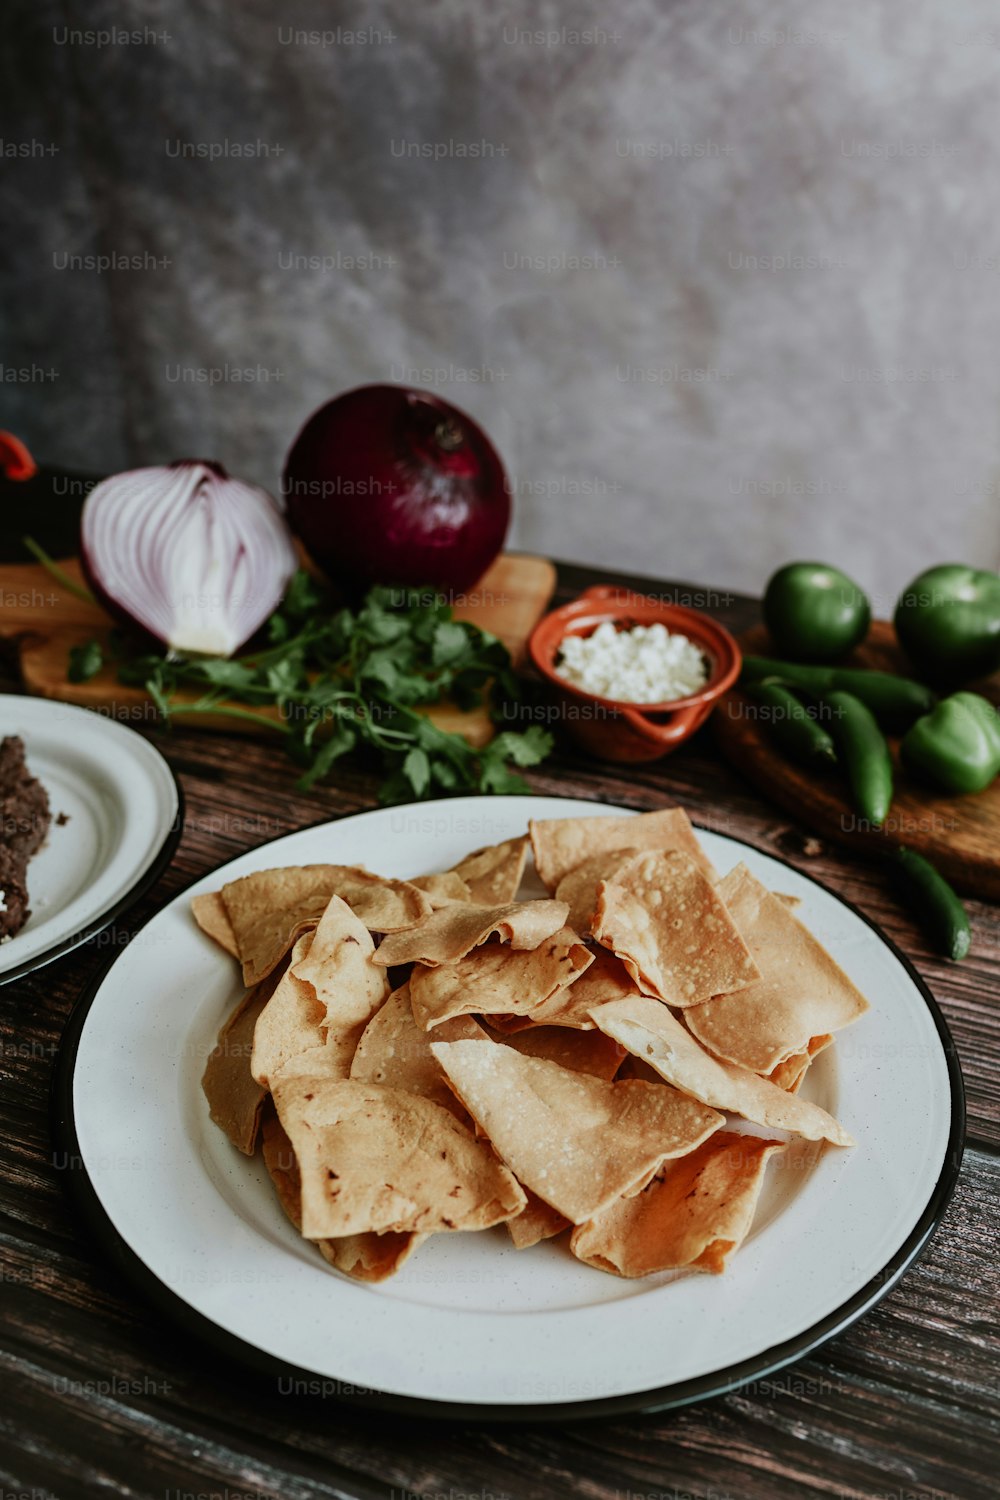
[
  {"x": 44, "y": 620},
  {"x": 960, "y": 835}
]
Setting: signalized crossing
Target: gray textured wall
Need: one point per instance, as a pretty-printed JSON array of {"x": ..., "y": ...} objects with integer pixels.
[{"x": 600, "y": 286}]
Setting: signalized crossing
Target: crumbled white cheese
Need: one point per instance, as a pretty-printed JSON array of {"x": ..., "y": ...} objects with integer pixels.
[{"x": 645, "y": 664}]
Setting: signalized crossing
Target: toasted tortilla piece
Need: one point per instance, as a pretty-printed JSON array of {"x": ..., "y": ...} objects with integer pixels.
[
  {"x": 373, "y": 1159},
  {"x": 693, "y": 1215},
  {"x": 494, "y": 979},
  {"x": 537, "y": 1221},
  {"x": 668, "y": 925},
  {"x": 576, "y": 1141},
  {"x": 442, "y": 889},
  {"x": 340, "y": 966},
  {"x": 801, "y": 993},
  {"x": 790, "y": 1073},
  {"x": 209, "y": 911},
  {"x": 235, "y": 1098},
  {"x": 450, "y": 933},
  {"x": 269, "y": 909},
  {"x": 365, "y": 1257},
  {"x": 581, "y": 1051},
  {"x": 493, "y": 874},
  {"x": 291, "y": 1027},
  {"x": 605, "y": 979},
  {"x": 561, "y": 844},
  {"x": 649, "y": 1031},
  {"x": 579, "y": 888},
  {"x": 396, "y": 1053}
]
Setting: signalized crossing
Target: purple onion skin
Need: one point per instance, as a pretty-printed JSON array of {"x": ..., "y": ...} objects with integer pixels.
[{"x": 394, "y": 486}]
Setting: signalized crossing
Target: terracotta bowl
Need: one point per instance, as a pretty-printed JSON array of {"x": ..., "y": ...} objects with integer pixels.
[{"x": 619, "y": 731}]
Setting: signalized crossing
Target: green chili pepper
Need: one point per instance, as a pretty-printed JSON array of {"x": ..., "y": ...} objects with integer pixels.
[
  {"x": 934, "y": 903},
  {"x": 948, "y": 622},
  {"x": 793, "y": 727},
  {"x": 864, "y": 754},
  {"x": 957, "y": 745},
  {"x": 896, "y": 701}
]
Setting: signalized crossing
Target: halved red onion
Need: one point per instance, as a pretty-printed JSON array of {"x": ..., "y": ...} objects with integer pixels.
[{"x": 195, "y": 558}]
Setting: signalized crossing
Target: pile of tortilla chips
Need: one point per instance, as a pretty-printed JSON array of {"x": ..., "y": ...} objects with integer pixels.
[{"x": 431, "y": 1056}]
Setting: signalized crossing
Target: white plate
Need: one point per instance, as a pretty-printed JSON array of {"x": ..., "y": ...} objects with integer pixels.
[
  {"x": 469, "y": 1322},
  {"x": 122, "y": 808}
]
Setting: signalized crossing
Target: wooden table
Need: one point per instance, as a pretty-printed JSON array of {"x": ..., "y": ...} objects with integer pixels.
[{"x": 103, "y": 1395}]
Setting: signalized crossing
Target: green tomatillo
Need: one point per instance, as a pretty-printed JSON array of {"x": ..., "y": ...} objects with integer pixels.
[
  {"x": 957, "y": 745},
  {"x": 948, "y": 623},
  {"x": 814, "y": 612}
]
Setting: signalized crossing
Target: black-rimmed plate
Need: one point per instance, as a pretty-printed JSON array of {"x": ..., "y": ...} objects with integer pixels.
[
  {"x": 470, "y": 1326},
  {"x": 116, "y": 819}
]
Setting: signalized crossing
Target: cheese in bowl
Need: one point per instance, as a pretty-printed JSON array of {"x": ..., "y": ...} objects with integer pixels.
[{"x": 639, "y": 664}]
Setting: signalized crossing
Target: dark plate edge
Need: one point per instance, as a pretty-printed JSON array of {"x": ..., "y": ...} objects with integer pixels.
[
  {"x": 665, "y": 1398},
  {"x": 148, "y": 878}
]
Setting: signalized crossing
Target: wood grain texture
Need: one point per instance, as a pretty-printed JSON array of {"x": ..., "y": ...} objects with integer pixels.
[
  {"x": 102, "y": 1395},
  {"x": 960, "y": 834}
]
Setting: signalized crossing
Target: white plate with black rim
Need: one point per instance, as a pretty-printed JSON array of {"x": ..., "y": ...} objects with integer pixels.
[
  {"x": 116, "y": 820},
  {"x": 471, "y": 1326}
]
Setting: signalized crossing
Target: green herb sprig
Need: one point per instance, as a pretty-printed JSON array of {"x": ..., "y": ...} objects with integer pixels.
[{"x": 345, "y": 679}]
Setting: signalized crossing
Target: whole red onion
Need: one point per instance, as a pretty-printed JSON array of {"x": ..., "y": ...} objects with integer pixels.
[{"x": 389, "y": 485}]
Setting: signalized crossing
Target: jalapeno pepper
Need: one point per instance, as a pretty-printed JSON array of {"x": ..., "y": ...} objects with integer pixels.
[
  {"x": 934, "y": 903},
  {"x": 792, "y": 727},
  {"x": 957, "y": 745},
  {"x": 896, "y": 701},
  {"x": 864, "y": 754}
]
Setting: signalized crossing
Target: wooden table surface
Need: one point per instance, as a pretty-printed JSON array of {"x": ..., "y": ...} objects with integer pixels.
[{"x": 102, "y": 1395}]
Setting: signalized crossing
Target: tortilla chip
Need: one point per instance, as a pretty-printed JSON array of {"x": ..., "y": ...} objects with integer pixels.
[
  {"x": 605, "y": 979},
  {"x": 802, "y": 992},
  {"x": 364, "y": 1257},
  {"x": 442, "y": 889},
  {"x": 561, "y": 844},
  {"x": 291, "y": 1025},
  {"x": 576, "y": 1141},
  {"x": 790, "y": 1073},
  {"x": 373, "y": 1159},
  {"x": 269, "y": 910},
  {"x": 579, "y": 888},
  {"x": 649, "y": 1031},
  {"x": 209, "y": 911},
  {"x": 347, "y": 982},
  {"x": 235, "y": 1099},
  {"x": 396, "y": 1053},
  {"x": 694, "y": 1214},
  {"x": 536, "y": 1222},
  {"x": 495, "y": 979},
  {"x": 450, "y": 933},
  {"x": 668, "y": 925},
  {"x": 493, "y": 874},
  {"x": 581, "y": 1051}
]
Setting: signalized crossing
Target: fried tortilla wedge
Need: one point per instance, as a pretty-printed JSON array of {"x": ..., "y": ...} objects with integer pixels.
[
  {"x": 802, "y": 993},
  {"x": 576, "y": 1141},
  {"x": 493, "y": 874},
  {"x": 442, "y": 889},
  {"x": 269, "y": 909},
  {"x": 790, "y": 1073},
  {"x": 364, "y": 1257},
  {"x": 291, "y": 1027},
  {"x": 494, "y": 979},
  {"x": 453, "y": 931},
  {"x": 579, "y": 888},
  {"x": 373, "y": 1159},
  {"x": 235, "y": 1098},
  {"x": 668, "y": 925},
  {"x": 340, "y": 966},
  {"x": 209, "y": 911},
  {"x": 648, "y": 1030},
  {"x": 561, "y": 844},
  {"x": 537, "y": 1221},
  {"x": 694, "y": 1214},
  {"x": 395, "y": 1052},
  {"x": 605, "y": 979}
]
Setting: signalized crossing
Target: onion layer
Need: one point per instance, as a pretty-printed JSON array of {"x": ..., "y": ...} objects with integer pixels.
[{"x": 194, "y": 558}]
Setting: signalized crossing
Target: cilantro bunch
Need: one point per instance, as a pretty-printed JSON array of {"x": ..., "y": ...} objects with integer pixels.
[{"x": 345, "y": 679}]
